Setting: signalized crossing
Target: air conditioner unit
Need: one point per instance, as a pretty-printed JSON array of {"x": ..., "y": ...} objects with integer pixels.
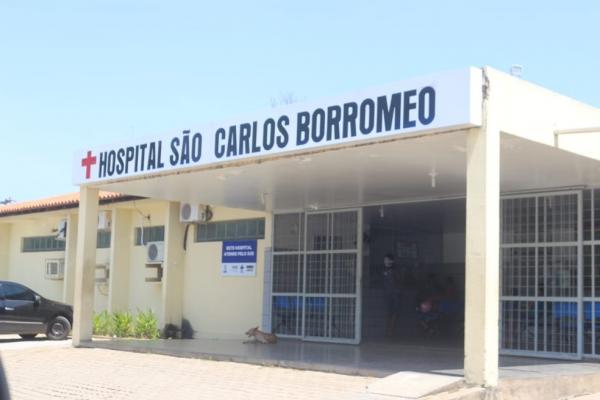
[
  {"x": 102, "y": 273},
  {"x": 61, "y": 230},
  {"x": 104, "y": 220},
  {"x": 155, "y": 252},
  {"x": 55, "y": 268},
  {"x": 193, "y": 212}
]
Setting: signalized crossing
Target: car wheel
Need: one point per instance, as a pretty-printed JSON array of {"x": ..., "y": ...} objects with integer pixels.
[
  {"x": 27, "y": 336},
  {"x": 58, "y": 328}
]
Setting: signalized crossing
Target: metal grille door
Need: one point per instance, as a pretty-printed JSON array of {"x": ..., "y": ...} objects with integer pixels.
[
  {"x": 315, "y": 276},
  {"x": 288, "y": 275},
  {"x": 591, "y": 273},
  {"x": 541, "y": 285}
]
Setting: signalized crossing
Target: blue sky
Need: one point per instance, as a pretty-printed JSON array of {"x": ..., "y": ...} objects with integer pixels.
[{"x": 75, "y": 74}]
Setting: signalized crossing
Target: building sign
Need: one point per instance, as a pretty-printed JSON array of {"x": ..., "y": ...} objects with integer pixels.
[
  {"x": 238, "y": 258},
  {"x": 439, "y": 102}
]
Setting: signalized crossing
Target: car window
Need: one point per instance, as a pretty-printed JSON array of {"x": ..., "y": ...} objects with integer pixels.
[{"x": 13, "y": 291}]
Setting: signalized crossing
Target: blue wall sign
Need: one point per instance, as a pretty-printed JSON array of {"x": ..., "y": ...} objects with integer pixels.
[{"x": 238, "y": 258}]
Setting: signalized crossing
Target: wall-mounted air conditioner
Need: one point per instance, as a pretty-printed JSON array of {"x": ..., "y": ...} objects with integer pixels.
[
  {"x": 193, "y": 212},
  {"x": 104, "y": 220},
  {"x": 155, "y": 252},
  {"x": 61, "y": 230},
  {"x": 157, "y": 273},
  {"x": 55, "y": 268},
  {"x": 102, "y": 273}
]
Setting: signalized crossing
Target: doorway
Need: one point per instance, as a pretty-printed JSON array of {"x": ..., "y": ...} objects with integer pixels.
[{"x": 426, "y": 241}]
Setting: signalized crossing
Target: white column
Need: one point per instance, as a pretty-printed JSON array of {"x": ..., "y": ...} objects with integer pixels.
[
  {"x": 70, "y": 253},
  {"x": 482, "y": 255},
  {"x": 120, "y": 244},
  {"x": 172, "y": 281},
  {"x": 267, "y": 282},
  {"x": 85, "y": 263}
]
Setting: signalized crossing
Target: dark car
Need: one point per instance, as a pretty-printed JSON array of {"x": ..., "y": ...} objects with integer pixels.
[{"x": 26, "y": 313}]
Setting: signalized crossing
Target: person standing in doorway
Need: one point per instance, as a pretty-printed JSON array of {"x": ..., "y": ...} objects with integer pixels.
[{"x": 391, "y": 293}]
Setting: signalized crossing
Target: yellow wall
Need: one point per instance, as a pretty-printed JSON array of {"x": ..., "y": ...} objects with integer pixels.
[
  {"x": 144, "y": 295},
  {"x": 101, "y": 293},
  {"x": 5, "y": 230},
  {"x": 216, "y": 306},
  {"x": 30, "y": 268}
]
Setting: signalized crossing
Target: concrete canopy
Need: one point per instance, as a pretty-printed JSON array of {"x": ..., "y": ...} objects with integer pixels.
[{"x": 424, "y": 167}]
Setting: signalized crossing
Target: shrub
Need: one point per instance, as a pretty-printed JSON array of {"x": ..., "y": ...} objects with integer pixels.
[
  {"x": 146, "y": 325},
  {"x": 122, "y": 324},
  {"x": 102, "y": 324}
]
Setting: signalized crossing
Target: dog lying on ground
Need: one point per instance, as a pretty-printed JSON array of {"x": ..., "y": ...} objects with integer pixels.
[{"x": 259, "y": 336}]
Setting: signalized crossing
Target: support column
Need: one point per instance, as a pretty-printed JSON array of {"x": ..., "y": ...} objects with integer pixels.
[
  {"x": 482, "y": 255},
  {"x": 267, "y": 282},
  {"x": 172, "y": 281},
  {"x": 120, "y": 245},
  {"x": 85, "y": 264},
  {"x": 70, "y": 254}
]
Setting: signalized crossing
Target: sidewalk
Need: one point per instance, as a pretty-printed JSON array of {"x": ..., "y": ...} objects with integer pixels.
[{"x": 39, "y": 373}]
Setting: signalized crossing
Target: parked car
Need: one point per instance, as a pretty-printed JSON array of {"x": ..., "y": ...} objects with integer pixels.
[{"x": 26, "y": 313}]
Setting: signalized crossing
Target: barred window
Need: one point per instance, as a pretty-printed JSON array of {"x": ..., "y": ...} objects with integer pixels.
[
  {"x": 151, "y": 234},
  {"x": 41, "y": 243},
  {"x": 103, "y": 240},
  {"x": 231, "y": 230}
]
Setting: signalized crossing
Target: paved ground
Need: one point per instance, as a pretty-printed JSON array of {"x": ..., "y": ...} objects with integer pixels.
[{"x": 41, "y": 370}]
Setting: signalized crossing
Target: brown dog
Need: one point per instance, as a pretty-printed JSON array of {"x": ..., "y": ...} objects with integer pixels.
[{"x": 260, "y": 336}]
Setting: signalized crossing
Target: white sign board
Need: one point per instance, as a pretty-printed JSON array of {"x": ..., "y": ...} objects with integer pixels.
[{"x": 451, "y": 100}]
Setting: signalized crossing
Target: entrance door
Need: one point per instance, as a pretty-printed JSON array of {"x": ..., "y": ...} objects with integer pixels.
[
  {"x": 541, "y": 275},
  {"x": 315, "y": 279},
  {"x": 331, "y": 276}
]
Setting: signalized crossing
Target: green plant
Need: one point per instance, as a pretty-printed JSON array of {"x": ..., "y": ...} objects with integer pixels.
[
  {"x": 122, "y": 324},
  {"x": 102, "y": 323},
  {"x": 146, "y": 325}
]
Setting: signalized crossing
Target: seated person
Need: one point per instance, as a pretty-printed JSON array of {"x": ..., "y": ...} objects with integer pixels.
[
  {"x": 450, "y": 305},
  {"x": 428, "y": 311}
]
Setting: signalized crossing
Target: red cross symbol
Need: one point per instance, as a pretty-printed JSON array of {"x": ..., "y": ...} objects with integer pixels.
[{"x": 87, "y": 163}]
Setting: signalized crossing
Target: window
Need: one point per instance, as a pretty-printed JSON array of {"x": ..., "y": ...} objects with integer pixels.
[
  {"x": 13, "y": 291},
  {"x": 231, "y": 230},
  {"x": 151, "y": 234},
  {"x": 42, "y": 243},
  {"x": 103, "y": 240}
]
